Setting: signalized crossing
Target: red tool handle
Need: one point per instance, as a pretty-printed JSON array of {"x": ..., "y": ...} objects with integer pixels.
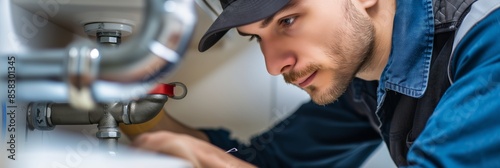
[{"x": 165, "y": 89}]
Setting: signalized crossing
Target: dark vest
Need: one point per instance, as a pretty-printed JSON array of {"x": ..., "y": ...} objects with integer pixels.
[{"x": 412, "y": 113}]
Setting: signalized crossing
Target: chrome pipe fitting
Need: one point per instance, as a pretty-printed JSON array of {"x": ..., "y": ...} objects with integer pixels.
[
  {"x": 85, "y": 73},
  {"x": 45, "y": 116}
]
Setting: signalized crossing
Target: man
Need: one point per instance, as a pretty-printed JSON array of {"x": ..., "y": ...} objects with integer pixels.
[
  {"x": 438, "y": 63},
  {"x": 333, "y": 135}
]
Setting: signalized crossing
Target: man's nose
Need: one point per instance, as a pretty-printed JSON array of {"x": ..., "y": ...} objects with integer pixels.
[{"x": 279, "y": 57}]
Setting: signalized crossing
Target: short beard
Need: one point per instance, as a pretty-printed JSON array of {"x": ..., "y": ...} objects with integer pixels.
[
  {"x": 294, "y": 75},
  {"x": 351, "y": 58}
]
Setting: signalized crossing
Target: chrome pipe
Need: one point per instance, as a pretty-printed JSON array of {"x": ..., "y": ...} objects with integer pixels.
[
  {"x": 166, "y": 33},
  {"x": 84, "y": 73},
  {"x": 145, "y": 109}
]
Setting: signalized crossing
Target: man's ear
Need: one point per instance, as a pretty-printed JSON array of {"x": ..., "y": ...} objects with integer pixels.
[{"x": 367, "y": 3}]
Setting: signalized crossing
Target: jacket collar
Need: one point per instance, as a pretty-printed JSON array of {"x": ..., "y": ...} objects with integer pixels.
[{"x": 407, "y": 70}]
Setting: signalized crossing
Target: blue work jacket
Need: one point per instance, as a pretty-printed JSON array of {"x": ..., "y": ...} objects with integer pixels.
[
  {"x": 463, "y": 131},
  {"x": 339, "y": 134}
]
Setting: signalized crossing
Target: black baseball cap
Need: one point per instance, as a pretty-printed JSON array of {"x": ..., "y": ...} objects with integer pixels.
[{"x": 237, "y": 13}]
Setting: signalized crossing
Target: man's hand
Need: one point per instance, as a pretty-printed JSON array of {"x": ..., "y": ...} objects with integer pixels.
[{"x": 198, "y": 152}]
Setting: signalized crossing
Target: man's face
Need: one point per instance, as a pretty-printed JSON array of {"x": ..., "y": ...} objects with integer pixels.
[{"x": 317, "y": 45}]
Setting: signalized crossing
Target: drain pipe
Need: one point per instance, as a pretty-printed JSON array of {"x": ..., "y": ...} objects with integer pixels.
[
  {"x": 45, "y": 116},
  {"x": 85, "y": 73}
]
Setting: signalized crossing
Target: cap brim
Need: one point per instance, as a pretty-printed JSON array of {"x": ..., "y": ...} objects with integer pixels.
[{"x": 238, "y": 13}]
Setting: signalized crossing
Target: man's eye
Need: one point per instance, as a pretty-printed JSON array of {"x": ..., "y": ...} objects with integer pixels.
[
  {"x": 286, "y": 22},
  {"x": 254, "y": 37}
]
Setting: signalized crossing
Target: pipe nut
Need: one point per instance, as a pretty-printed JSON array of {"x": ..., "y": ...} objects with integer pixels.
[
  {"x": 112, "y": 40},
  {"x": 108, "y": 134},
  {"x": 38, "y": 117}
]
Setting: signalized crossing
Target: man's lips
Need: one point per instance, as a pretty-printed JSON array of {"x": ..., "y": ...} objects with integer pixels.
[{"x": 303, "y": 82}]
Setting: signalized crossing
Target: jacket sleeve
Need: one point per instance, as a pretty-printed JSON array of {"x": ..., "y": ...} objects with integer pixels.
[
  {"x": 464, "y": 130},
  {"x": 335, "y": 135}
]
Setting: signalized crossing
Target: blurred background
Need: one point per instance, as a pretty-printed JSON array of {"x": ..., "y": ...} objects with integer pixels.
[{"x": 228, "y": 86}]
